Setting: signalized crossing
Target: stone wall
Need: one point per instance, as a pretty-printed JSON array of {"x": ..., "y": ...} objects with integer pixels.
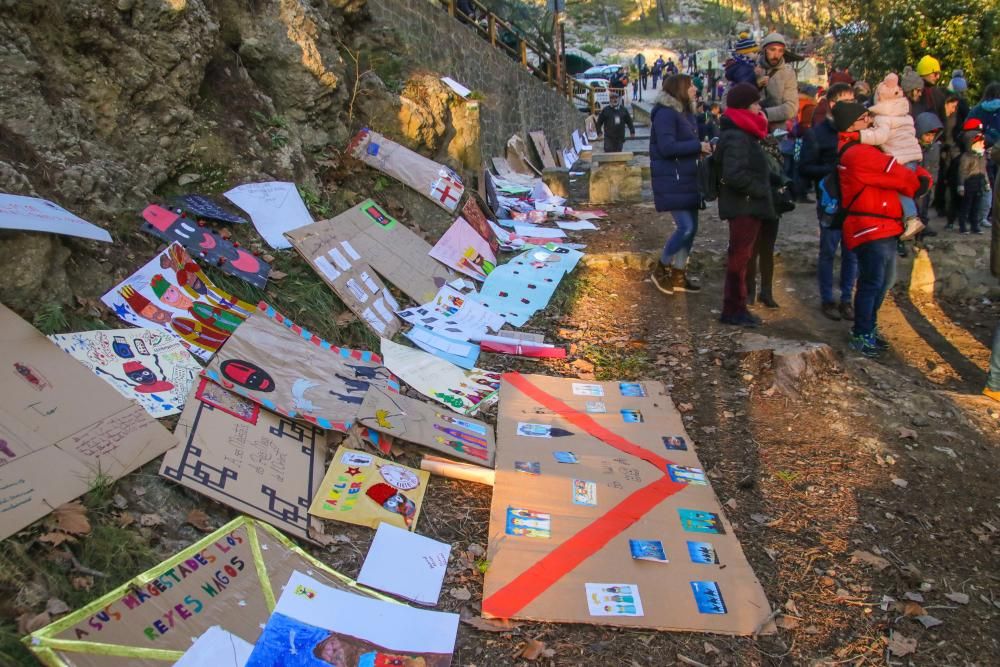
[{"x": 514, "y": 100}]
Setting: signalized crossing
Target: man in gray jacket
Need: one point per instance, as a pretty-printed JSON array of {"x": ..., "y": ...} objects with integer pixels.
[{"x": 778, "y": 82}]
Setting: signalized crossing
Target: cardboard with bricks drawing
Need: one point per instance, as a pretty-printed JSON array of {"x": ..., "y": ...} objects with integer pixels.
[
  {"x": 430, "y": 425},
  {"x": 433, "y": 180},
  {"x": 346, "y": 270},
  {"x": 172, "y": 292},
  {"x": 390, "y": 247},
  {"x": 61, "y": 428},
  {"x": 544, "y": 548},
  {"x": 257, "y": 462},
  {"x": 291, "y": 371},
  {"x": 205, "y": 243},
  {"x": 366, "y": 490},
  {"x": 230, "y": 578},
  {"x": 477, "y": 213},
  {"x": 148, "y": 366},
  {"x": 462, "y": 248},
  {"x": 541, "y": 145}
]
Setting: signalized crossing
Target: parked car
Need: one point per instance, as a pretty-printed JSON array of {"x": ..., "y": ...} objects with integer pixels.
[
  {"x": 600, "y": 88},
  {"x": 598, "y": 72}
]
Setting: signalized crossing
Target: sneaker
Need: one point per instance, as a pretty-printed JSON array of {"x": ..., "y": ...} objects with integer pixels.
[
  {"x": 768, "y": 300},
  {"x": 964, "y": 232},
  {"x": 847, "y": 311},
  {"x": 950, "y": 225},
  {"x": 741, "y": 320},
  {"x": 681, "y": 283},
  {"x": 978, "y": 232},
  {"x": 985, "y": 223},
  {"x": 989, "y": 393},
  {"x": 751, "y": 320},
  {"x": 831, "y": 311},
  {"x": 881, "y": 342},
  {"x": 912, "y": 227},
  {"x": 865, "y": 344},
  {"x": 661, "y": 278}
]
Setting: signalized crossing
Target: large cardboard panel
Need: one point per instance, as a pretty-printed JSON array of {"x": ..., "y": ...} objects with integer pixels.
[
  {"x": 557, "y": 540},
  {"x": 517, "y": 157},
  {"x": 291, "y": 371},
  {"x": 231, "y": 578},
  {"x": 345, "y": 268},
  {"x": 541, "y": 145},
  {"x": 428, "y": 425},
  {"x": 60, "y": 427},
  {"x": 390, "y": 247},
  {"x": 435, "y": 181},
  {"x": 251, "y": 459}
]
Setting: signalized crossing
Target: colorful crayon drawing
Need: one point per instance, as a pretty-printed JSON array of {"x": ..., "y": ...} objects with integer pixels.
[
  {"x": 613, "y": 599},
  {"x": 584, "y": 493},
  {"x": 528, "y": 523},
  {"x": 696, "y": 521},
  {"x": 708, "y": 597}
]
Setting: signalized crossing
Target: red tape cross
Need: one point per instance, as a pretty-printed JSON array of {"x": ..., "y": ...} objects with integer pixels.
[{"x": 535, "y": 580}]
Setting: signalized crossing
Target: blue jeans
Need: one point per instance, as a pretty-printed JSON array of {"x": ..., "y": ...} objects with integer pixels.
[
  {"x": 909, "y": 206},
  {"x": 993, "y": 379},
  {"x": 678, "y": 248},
  {"x": 876, "y": 274},
  {"x": 829, "y": 239}
]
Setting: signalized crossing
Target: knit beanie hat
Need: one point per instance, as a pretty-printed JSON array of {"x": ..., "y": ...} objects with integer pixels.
[
  {"x": 928, "y": 65},
  {"x": 773, "y": 38},
  {"x": 958, "y": 83},
  {"x": 745, "y": 44},
  {"x": 911, "y": 80},
  {"x": 742, "y": 95},
  {"x": 845, "y": 113},
  {"x": 888, "y": 88}
]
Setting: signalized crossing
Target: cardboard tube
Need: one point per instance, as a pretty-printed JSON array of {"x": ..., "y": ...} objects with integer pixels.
[{"x": 454, "y": 470}]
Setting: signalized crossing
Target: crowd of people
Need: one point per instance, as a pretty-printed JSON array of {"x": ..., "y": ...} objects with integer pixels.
[{"x": 877, "y": 161}]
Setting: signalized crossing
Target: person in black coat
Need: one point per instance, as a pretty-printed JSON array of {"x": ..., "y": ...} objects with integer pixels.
[
  {"x": 819, "y": 159},
  {"x": 746, "y": 182},
  {"x": 674, "y": 151},
  {"x": 611, "y": 123}
]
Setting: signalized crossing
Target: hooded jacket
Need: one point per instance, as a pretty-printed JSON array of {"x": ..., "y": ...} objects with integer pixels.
[
  {"x": 674, "y": 150},
  {"x": 971, "y": 165},
  {"x": 870, "y": 182},
  {"x": 819, "y": 155},
  {"x": 988, "y": 111},
  {"x": 745, "y": 180},
  {"x": 612, "y": 121},
  {"x": 781, "y": 95},
  {"x": 893, "y": 129},
  {"x": 929, "y": 122}
]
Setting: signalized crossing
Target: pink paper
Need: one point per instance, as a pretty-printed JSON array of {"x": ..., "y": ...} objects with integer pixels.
[{"x": 464, "y": 250}]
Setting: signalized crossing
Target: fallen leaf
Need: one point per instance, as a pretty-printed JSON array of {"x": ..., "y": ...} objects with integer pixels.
[
  {"x": 345, "y": 318},
  {"x": 772, "y": 553},
  {"x": 869, "y": 558},
  {"x": 30, "y": 622},
  {"x": 582, "y": 366},
  {"x": 532, "y": 650},
  {"x": 119, "y": 501},
  {"x": 911, "y": 608},
  {"x": 916, "y": 597},
  {"x": 55, "y": 606},
  {"x": 489, "y": 624},
  {"x": 460, "y": 593},
  {"x": 791, "y": 608},
  {"x": 786, "y": 622},
  {"x": 139, "y": 491},
  {"x": 275, "y": 274},
  {"x": 811, "y": 630},
  {"x": 72, "y": 518},
  {"x": 731, "y": 503},
  {"x": 900, "y": 645},
  {"x": 55, "y": 539},
  {"x": 126, "y": 519},
  {"x": 960, "y": 598},
  {"x": 907, "y": 433},
  {"x": 901, "y": 483},
  {"x": 149, "y": 520},
  {"x": 199, "y": 520},
  {"x": 929, "y": 621},
  {"x": 685, "y": 407},
  {"x": 320, "y": 537},
  {"x": 84, "y": 583},
  {"x": 710, "y": 648},
  {"x": 268, "y": 258}
]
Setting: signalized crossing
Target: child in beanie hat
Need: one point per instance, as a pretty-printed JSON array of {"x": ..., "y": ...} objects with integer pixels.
[
  {"x": 972, "y": 177},
  {"x": 910, "y": 81},
  {"x": 740, "y": 66},
  {"x": 893, "y": 131}
]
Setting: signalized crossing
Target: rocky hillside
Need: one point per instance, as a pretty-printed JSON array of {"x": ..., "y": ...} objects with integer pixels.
[{"x": 108, "y": 104}]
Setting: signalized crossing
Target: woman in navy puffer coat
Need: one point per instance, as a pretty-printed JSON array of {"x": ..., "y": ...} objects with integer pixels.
[{"x": 674, "y": 151}]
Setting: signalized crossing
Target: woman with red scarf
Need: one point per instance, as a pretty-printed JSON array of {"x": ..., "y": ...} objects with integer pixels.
[{"x": 745, "y": 193}]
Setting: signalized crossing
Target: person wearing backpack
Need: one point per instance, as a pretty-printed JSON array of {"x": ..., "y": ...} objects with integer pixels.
[
  {"x": 674, "y": 151},
  {"x": 746, "y": 196},
  {"x": 819, "y": 160},
  {"x": 870, "y": 184}
]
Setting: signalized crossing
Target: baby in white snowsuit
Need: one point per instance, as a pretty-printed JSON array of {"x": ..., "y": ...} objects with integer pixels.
[{"x": 893, "y": 131}]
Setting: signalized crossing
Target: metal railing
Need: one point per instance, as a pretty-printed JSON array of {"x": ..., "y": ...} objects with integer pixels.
[{"x": 539, "y": 59}]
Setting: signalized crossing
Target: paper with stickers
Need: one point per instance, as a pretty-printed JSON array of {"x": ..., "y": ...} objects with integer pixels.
[
  {"x": 599, "y": 516},
  {"x": 524, "y": 285},
  {"x": 463, "y": 249},
  {"x": 365, "y": 490},
  {"x": 149, "y": 366},
  {"x": 455, "y": 315},
  {"x": 405, "y": 564},
  {"x": 229, "y": 578},
  {"x": 343, "y": 264},
  {"x": 430, "y": 425},
  {"x": 464, "y": 391},
  {"x": 435, "y": 181},
  {"x": 459, "y": 352},
  {"x": 253, "y": 460},
  {"x": 173, "y": 293},
  {"x": 275, "y": 208},
  {"x": 291, "y": 371},
  {"x": 314, "y": 625},
  {"x": 40, "y": 215}
]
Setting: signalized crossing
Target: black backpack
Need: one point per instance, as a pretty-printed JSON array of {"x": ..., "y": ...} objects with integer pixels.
[{"x": 831, "y": 193}]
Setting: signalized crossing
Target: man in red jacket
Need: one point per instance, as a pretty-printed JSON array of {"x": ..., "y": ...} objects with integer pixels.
[{"x": 870, "y": 183}]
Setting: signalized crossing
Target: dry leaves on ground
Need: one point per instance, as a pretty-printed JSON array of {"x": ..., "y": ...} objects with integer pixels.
[
  {"x": 150, "y": 520},
  {"x": 460, "y": 593},
  {"x": 900, "y": 645},
  {"x": 532, "y": 650},
  {"x": 869, "y": 558},
  {"x": 199, "y": 520},
  {"x": 490, "y": 624},
  {"x": 72, "y": 518}
]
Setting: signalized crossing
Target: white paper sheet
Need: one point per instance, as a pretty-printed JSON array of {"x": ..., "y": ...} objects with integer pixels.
[
  {"x": 274, "y": 207},
  {"x": 577, "y": 226},
  {"x": 455, "y": 315},
  {"x": 40, "y": 215},
  {"x": 461, "y": 90},
  {"x": 405, "y": 564},
  {"x": 216, "y": 648},
  {"x": 311, "y": 617},
  {"x": 534, "y": 231}
]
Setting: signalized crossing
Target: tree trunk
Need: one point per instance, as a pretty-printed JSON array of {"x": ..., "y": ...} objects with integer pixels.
[
  {"x": 755, "y": 14},
  {"x": 786, "y": 364}
]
